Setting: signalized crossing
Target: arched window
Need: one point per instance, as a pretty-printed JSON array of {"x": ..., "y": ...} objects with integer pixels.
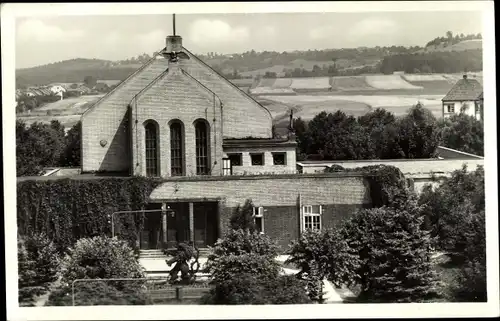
[
  {"x": 152, "y": 167},
  {"x": 176, "y": 148},
  {"x": 202, "y": 148}
]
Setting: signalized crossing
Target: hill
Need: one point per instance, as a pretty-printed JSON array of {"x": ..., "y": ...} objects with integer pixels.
[{"x": 457, "y": 54}]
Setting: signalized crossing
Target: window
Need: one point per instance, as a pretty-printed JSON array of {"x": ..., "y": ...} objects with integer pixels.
[
  {"x": 451, "y": 108},
  {"x": 176, "y": 149},
  {"x": 279, "y": 158},
  {"x": 258, "y": 218},
  {"x": 312, "y": 217},
  {"x": 151, "y": 149},
  {"x": 227, "y": 168},
  {"x": 202, "y": 152},
  {"x": 257, "y": 159},
  {"x": 235, "y": 159}
]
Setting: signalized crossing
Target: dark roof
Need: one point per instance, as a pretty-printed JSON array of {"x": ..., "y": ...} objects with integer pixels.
[{"x": 465, "y": 89}]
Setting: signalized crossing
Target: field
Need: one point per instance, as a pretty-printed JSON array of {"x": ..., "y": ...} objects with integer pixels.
[{"x": 67, "y": 111}]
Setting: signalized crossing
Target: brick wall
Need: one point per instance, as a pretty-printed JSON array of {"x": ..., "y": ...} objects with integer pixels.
[
  {"x": 106, "y": 121},
  {"x": 176, "y": 96}
]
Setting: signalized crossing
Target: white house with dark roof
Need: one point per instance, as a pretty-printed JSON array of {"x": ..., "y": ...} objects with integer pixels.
[{"x": 465, "y": 97}]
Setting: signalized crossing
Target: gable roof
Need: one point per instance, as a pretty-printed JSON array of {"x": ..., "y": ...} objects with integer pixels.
[{"x": 465, "y": 89}]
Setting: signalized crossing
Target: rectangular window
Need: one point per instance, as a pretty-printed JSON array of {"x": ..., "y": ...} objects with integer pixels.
[
  {"x": 227, "y": 168},
  {"x": 451, "y": 108},
  {"x": 279, "y": 158},
  {"x": 235, "y": 159},
  {"x": 312, "y": 217},
  {"x": 257, "y": 159},
  {"x": 258, "y": 218}
]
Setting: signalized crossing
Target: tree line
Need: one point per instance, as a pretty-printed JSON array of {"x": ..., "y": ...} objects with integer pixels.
[
  {"x": 451, "y": 40},
  {"x": 381, "y": 135},
  {"x": 46, "y": 145}
]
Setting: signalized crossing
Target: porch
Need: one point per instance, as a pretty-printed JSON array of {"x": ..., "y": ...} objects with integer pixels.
[{"x": 171, "y": 222}]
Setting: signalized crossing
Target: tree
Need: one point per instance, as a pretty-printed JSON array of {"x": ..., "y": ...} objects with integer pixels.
[
  {"x": 338, "y": 136},
  {"x": 91, "y": 81},
  {"x": 464, "y": 133},
  {"x": 38, "y": 146},
  {"x": 242, "y": 217},
  {"x": 379, "y": 124},
  {"x": 419, "y": 134},
  {"x": 301, "y": 133},
  {"x": 394, "y": 253},
  {"x": 71, "y": 154},
  {"x": 323, "y": 255},
  {"x": 38, "y": 265}
]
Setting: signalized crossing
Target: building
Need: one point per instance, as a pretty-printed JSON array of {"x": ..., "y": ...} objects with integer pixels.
[
  {"x": 465, "y": 97},
  {"x": 177, "y": 119}
]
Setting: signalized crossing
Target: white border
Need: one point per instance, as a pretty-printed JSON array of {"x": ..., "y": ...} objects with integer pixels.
[{"x": 9, "y": 11}]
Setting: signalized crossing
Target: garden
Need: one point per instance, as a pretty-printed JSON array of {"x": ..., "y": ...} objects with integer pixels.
[{"x": 387, "y": 253}]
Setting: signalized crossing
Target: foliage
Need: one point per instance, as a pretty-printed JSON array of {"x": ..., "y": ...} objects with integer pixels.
[
  {"x": 418, "y": 133},
  {"x": 242, "y": 217},
  {"x": 90, "y": 81},
  {"x": 67, "y": 210},
  {"x": 338, "y": 136},
  {"x": 393, "y": 252},
  {"x": 323, "y": 255},
  {"x": 251, "y": 289},
  {"x": 241, "y": 251},
  {"x": 38, "y": 146},
  {"x": 434, "y": 62},
  {"x": 100, "y": 293},
  {"x": 38, "y": 264},
  {"x": 464, "y": 133},
  {"x": 472, "y": 285},
  {"x": 100, "y": 258},
  {"x": 387, "y": 183},
  {"x": 452, "y": 40},
  {"x": 450, "y": 207},
  {"x": 71, "y": 155},
  {"x": 46, "y": 145}
]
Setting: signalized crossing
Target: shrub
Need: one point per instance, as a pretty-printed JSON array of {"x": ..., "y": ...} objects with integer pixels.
[
  {"x": 100, "y": 257},
  {"x": 242, "y": 217},
  {"x": 471, "y": 283},
  {"x": 323, "y": 255},
  {"x": 394, "y": 254},
  {"x": 251, "y": 289},
  {"x": 38, "y": 265}
]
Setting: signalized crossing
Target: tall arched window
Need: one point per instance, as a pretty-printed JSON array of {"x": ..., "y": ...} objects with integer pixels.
[
  {"x": 152, "y": 168},
  {"x": 202, "y": 147},
  {"x": 176, "y": 148}
]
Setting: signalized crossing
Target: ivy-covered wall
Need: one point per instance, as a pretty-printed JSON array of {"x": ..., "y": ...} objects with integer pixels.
[{"x": 69, "y": 209}]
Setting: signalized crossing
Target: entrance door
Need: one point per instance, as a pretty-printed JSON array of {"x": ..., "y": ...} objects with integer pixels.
[
  {"x": 205, "y": 223},
  {"x": 151, "y": 233},
  {"x": 177, "y": 224}
]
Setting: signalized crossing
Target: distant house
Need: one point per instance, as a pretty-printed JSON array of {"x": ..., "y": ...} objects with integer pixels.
[
  {"x": 57, "y": 89},
  {"x": 465, "y": 97}
]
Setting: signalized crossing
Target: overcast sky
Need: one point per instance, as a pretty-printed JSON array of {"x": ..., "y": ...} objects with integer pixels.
[{"x": 43, "y": 40}]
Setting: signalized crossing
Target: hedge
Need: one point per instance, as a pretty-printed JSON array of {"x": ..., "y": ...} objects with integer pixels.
[{"x": 67, "y": 210}]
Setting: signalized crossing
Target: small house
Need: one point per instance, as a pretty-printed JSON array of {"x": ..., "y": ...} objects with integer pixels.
[{"x": 465, "y": 97}]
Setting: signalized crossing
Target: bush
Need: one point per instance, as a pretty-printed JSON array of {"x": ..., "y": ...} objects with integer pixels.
[
  {"x": 472, "y": 283},
  {"x": 323, "y": 255},
  {"x": 100, "y": 257},
  {"x": 242, "y": 217},
  {"x": 251, "y": 289},
  {"x": 394, "y": 254},
  {"x": 38, "y": 265}
]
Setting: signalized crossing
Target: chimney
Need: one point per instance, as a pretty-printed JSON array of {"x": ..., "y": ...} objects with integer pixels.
[
  {"x": 174, "y": 44},
  {"x": 465, "y": 76}
]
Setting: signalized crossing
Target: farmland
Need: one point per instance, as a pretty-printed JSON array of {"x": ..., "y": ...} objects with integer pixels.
[{"x": 67, "y": 111}]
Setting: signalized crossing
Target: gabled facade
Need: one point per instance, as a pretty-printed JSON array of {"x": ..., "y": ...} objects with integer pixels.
[{"x": 465, "y": 97}]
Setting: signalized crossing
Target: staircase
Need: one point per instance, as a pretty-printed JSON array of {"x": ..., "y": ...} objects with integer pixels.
[{"x": 152, "y": 254}]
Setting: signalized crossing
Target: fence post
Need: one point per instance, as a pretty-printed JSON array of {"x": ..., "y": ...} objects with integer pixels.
[{"x": 178, "y": 293}]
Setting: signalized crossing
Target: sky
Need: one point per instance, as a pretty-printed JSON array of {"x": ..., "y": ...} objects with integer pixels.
[{"x": 41, "y": 40}]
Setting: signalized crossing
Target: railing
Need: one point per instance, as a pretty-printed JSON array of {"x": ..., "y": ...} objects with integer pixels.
[{"x": 135, "y": 291}]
